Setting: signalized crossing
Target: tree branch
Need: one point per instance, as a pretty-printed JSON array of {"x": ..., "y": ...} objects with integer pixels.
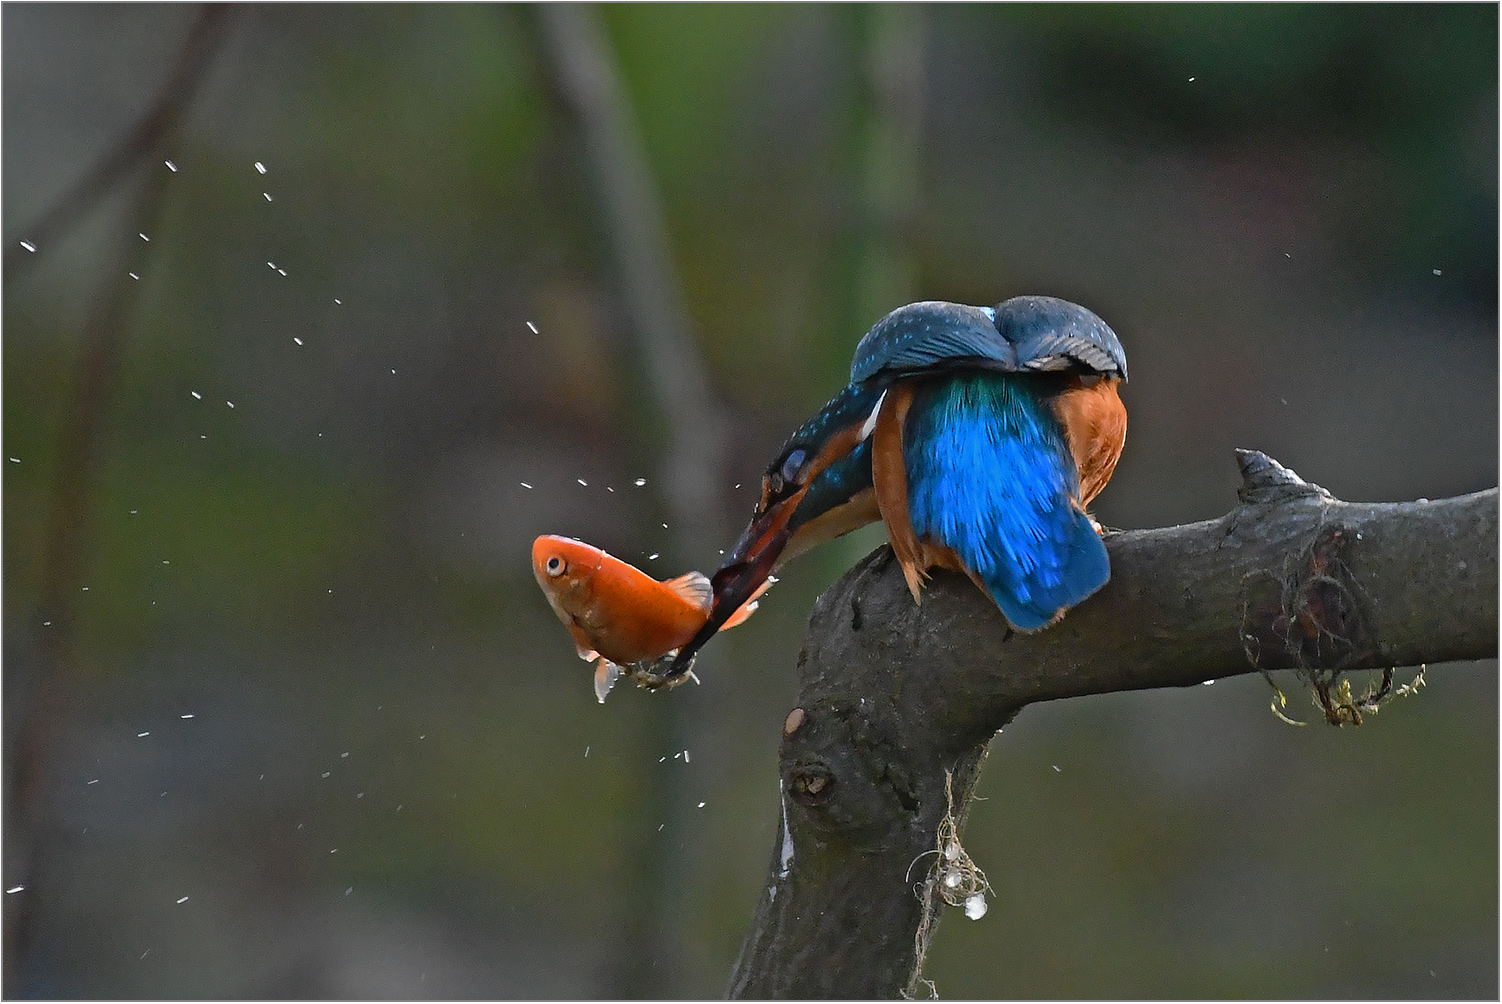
[{"x": 894, "y": 697}]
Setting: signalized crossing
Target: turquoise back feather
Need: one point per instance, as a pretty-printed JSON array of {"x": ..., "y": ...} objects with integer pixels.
[{"x": 990, "y": 475}]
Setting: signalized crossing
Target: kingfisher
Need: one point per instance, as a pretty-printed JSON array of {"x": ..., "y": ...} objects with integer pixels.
[{"x": 977, "y": 435}]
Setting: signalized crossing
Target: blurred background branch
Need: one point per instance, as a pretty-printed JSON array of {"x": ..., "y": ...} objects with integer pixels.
[
  {"x": 102, "y": 344},
  {"x": 696, "y": 426},
  {"x": 150, "y": 135}
]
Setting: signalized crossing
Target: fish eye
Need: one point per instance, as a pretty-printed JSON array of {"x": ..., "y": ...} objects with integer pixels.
[
  {"x": 792, "y": 464},
  {"x": 556, "y": 565}
]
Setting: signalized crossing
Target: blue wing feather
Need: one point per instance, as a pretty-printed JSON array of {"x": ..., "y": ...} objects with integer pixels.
[
  {"x": 922, "y": 335},
  {"x": 1025, "y": 333},
  {"x": 990, "y": 475},
  {"x": 1050, "y": 333}
]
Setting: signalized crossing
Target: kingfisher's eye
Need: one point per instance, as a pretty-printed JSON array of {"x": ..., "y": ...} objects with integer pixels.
[
  {"x": 792, "y": 465},
  {"x": 556, "y": 565}
]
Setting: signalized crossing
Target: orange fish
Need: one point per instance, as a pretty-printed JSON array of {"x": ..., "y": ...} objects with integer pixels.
[{"x": 616, "y": 613}]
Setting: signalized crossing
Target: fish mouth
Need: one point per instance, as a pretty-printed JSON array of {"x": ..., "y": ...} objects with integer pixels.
[{"x": 745, "y": 569}]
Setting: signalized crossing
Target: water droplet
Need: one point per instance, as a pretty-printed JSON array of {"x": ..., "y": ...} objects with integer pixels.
[
  {"x": 582, "y": 482},
  {"x": 15, "y": 460},
  {"x": 653, "y": 557},
  {"x": 260, "y": 167},
  {"x": 1056, "y": 769},
  {"x": 29, "y": 246},
  {"x": 640, "y": 482},
  {"x": 142, "y": 735},
  {"x": 182, "y": 901},
  {"x": 134, "y": 276},
  {"x": 534, "y": 328},
  {"x": 14, "y": 889},
  {"x": 1435, "y": 271},
  {"x": 525, "y": 485},
  {"x": 230, "y": 403},
  {"x": 145, "y": 238},
  {"x": 297, "y": 340},
  {"x": 185, "y": 717},
  {"x": 268, "y": 196},
  {"x": 170, "y": 166},
  {"x": 196, "y": 396},
  {"x": 338, "y": 302},
  {"x": 701, "y": 805},
  {"x": 1209, "y": 683}
]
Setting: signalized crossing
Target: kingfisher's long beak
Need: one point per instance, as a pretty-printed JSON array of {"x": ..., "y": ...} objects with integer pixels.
[{"x": 744, "y": 571}]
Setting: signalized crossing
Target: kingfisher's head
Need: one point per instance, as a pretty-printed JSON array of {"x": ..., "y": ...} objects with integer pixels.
[{"x": 816, "y": 488}]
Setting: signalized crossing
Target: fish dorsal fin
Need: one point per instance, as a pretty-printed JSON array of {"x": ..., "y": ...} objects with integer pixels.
[{"x": 693, "y": 587}]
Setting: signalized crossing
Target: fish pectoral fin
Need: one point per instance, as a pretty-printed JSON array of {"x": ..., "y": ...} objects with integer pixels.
[
  {"x": 581, "y": 642},
  {"x": 693, "y": 587},
  {"x": 606, "y": 673},
  {"x": 749, "y": 607}
]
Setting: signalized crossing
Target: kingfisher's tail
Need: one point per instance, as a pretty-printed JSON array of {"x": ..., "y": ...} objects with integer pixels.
[{"x": 991, "y": 476}]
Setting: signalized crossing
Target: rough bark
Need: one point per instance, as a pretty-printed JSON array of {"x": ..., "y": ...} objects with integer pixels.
[{"x": 894, "y": 698}]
